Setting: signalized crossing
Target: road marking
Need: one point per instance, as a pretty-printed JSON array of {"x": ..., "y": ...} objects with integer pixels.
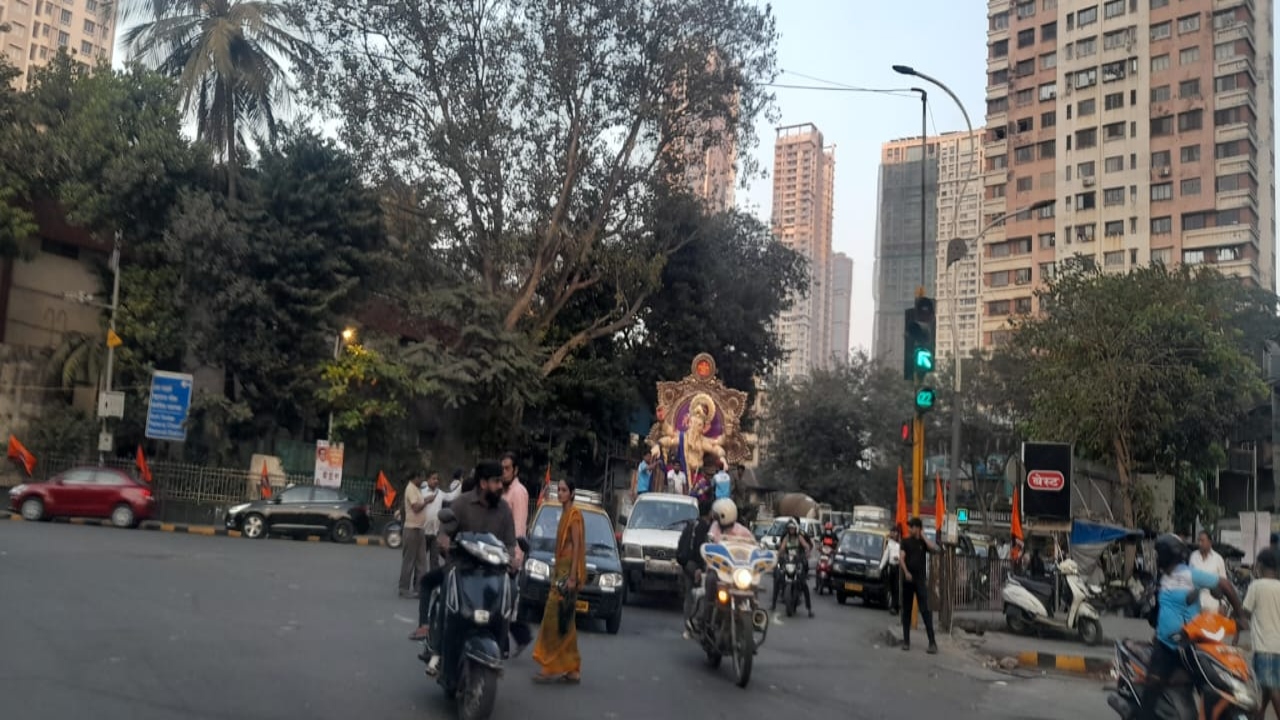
[{"x": 403, "y": 619}]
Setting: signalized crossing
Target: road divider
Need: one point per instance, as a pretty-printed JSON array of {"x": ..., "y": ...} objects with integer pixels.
[{"x": 188, "y": 529}]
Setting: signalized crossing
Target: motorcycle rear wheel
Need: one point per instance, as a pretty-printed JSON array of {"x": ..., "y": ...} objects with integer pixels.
[{"x": 478, "y": 691}]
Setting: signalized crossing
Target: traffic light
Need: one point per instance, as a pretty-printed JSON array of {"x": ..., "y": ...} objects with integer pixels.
[
  {"x": 906, "y": 432},
  {"x": 924, "y": 400},
  {"x": 919, "y": 340}
]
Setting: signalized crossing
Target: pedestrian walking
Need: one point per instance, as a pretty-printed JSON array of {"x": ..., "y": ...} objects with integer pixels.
[
  {"x": 413, "y": 555},
  {"x": 1262, "y": 603},
  {"x": 913, "y": 562},
  {"x": 436, "y": 499},
  {"x": 1207, "y": 559},
  {"x": 557, "y": 647}
]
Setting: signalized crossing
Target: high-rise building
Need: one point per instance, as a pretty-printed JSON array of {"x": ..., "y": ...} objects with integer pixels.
[
  {"x": 1147, "y": 127},
  {"x": 959, "y": 216},
  {"x": 841, "y": 283},
  {"x": 32, "y": 32},
  {"x": 898, "y": 270},
  {"x": 709, "y": 169},
  {"x": 803, "y": 183}
]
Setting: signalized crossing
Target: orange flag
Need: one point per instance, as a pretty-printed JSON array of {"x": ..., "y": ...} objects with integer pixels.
[
  {"x": 384, "y": 486},
  {"x": 21, "y": 455},
  {"x": 546, "y": 485},
  {"x": 900, "y": 518},
  {"x": 144, "y": 471},
  {"x": 1015, "y": 521},
  {"x": 264, "y": 485},
  {"x": 939, "y": 505}
]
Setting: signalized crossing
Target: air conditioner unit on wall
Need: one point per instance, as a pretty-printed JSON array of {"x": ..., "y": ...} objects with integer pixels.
[{"x": 1088, "y": 181}]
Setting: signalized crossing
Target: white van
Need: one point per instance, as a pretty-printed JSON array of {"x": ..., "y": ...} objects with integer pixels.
[{"x": 650, "y": 538}]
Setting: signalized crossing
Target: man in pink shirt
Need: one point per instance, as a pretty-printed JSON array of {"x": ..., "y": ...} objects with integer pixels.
[
  {"x": 726, "y": 525},
  {"x": 517, "y": 496}
]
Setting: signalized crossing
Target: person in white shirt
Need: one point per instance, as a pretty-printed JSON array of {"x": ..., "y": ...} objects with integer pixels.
[
  {"x": 436, "y": 498},
  {"x": 677, "y": 481},
  {"x": 892, "y": 549},
  {"x": 1209, "y": 561},
  {"x": 413, "y": 556}
]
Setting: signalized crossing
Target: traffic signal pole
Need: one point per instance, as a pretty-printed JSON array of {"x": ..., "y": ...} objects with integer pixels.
[{"x": 917, "y": 465}]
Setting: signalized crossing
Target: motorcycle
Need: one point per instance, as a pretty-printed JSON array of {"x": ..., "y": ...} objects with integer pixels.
[
  {"x": 1029, "y": 603},
  {"x": 393, "y": 533},
  {"x": 469, "y": 616},
  {"x": 823, "y": 578},
  {"x": 790, "y": 579},
  {"x": 1217, "y": 672},
  {"x": 736, "y": 617}
]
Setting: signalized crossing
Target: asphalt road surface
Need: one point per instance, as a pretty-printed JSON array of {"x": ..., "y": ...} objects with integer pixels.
[{"x": 123, "y": 625}]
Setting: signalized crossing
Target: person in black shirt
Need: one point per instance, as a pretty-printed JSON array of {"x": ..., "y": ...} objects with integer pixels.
[
  {"x": 913, "y": 561},
  {"x": 689, "y": 555}
]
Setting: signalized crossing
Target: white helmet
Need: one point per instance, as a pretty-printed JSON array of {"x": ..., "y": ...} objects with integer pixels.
[{"x": 725, "y": 511}]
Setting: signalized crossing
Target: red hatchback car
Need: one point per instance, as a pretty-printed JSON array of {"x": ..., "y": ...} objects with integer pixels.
[{"x": 85, "y": 492}]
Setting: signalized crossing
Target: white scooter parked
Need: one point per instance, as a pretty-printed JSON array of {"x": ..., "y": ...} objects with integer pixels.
[{"x": 1030, "y": 603}]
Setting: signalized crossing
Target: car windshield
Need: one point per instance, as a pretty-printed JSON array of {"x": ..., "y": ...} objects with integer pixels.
[
  {"x": 600, "y": 541},
  {"x": 662, "y": 515},
  {"x": 779, "y": 527},
  {"x": 862, "y": 544}
]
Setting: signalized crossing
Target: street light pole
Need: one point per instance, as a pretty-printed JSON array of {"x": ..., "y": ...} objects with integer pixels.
[
  {"x": 111, "y": 350},
  {"x": 345, "y": 336}
]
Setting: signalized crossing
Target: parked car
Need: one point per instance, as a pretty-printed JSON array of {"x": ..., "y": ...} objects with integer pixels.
[
  {"x": 85, "y": 492},
  {"x": 650, "y": 537},
  {"x": 601, "y": 597},
  {"x": 301, "y": 510}
]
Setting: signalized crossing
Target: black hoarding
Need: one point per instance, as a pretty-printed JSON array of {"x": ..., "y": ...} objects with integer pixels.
[{"x": 1046, "y": 482}]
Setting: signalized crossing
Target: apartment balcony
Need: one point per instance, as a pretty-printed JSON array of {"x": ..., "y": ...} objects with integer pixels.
[
  {"x": 1219, "y": 236},
  {"x": 1237, "y": 131},
  {"x": 1241, "y": 268},
  {"x": 1231, "y": 33},
  {"x": 1235, "y": 199},
  {"x": 1235, "y": 166},
  {"x": 997, "y": 90},
  {"x": 1225, "y": 4},
  {"x": 1235, "y": 98},
  {"x": 1233, "y": 66}
]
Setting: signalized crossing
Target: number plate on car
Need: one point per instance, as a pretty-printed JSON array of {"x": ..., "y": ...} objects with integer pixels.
[
  {"x": 665, "y": 567},
  {"x": 853, "y": 587},
  {"x": 582, "y": 606}
]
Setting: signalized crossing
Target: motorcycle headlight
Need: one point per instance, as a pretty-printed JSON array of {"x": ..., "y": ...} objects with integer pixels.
[
  {"x": 791, "y": 567},
  {"x": 742, "y": 578},
  {"x": 610, "y": 581},
  {"x": 537, "y": 569},
  {"x": 236, "y": 510}
]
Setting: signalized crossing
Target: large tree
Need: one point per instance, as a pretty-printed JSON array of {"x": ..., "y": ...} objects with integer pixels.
[
  {"x": 538, "y": 134},
  {"x": 1137, "y": 369}
]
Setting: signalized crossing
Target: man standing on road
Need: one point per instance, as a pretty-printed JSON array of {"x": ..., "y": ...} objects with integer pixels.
[
  {"x": 517, "y": 496},
  {"x": 913, "y": 561},
  {"x": 1208, "y": 560},
  {"x": 436, "y": 500},
  {"x": 413, "y": 556}
]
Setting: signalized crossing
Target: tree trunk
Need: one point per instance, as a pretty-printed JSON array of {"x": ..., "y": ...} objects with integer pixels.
[
  {"x": 231, "y": 143},
  {"x": 1126, "y": 482}
]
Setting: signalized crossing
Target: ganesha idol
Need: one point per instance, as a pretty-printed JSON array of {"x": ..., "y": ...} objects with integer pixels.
[{"x": 691, "y": 443}]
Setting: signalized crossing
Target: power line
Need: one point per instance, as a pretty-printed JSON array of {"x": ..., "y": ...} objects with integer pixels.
[{"x": 898, "y": 92}]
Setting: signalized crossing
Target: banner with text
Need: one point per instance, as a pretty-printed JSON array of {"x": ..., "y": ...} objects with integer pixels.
[
  {"x": 328, "y": 464},
  {"x": 1047, "y": 482}
]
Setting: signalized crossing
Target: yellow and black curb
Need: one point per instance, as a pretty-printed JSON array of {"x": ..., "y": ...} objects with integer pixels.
[
  {"x": 188, "y": 529},
  {"x": 1077, "y": 664}
]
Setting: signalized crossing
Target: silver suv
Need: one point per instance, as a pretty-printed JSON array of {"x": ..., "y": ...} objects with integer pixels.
[{"x": 650, "y": 540}]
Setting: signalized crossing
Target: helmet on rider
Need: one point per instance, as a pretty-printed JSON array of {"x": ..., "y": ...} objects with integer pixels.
[
  {"x": 1171, "y": 551},
  {"x": 725, "y": 512}
]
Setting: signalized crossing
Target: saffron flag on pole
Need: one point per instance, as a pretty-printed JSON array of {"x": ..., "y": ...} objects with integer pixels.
[
  {"x": 939, "y": 506},
  {"x": 264, "y": 484},
  {"x": 384, "y": 487},
  {"x": 1015, "y": 521},
  {"x": 144, "y": 470},
  {"x": 900, "y": 517},
  {"x": 19, "y": 454}
]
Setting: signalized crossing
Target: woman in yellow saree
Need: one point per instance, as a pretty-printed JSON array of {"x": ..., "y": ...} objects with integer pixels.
[{"x": 557, "y": 647}]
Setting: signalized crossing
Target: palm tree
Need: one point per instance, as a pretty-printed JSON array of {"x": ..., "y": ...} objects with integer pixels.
[
  {"x": 77, "y": 360},
  {"x": 231, "y": 59}
]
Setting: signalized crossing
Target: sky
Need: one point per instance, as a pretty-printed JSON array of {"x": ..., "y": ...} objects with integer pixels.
[{"x": 856, "y": 42}]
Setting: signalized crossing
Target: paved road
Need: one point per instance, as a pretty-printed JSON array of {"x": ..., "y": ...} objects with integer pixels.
[{"x": 142, "y": 626}]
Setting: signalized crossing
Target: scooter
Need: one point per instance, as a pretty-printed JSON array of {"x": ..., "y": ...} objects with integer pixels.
[
  {"x": 1032, "y": 604},
  {"x": 790, "y": 581},
  {"x": 823, "y": 578},
  {"x": 469, "y": 616},
  {"x": 1217, "y": 672},
  {"x": 393, "y": 533}
]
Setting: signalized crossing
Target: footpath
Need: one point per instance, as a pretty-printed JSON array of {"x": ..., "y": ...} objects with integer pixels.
[
  {"x": 987, "y": 634},
  {"x": 190, "y": 529}
]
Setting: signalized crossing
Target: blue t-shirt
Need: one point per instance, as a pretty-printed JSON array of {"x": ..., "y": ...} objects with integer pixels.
[
  {"x": 644, "y": 476},
  {"x": 723, "y": 485},
  {"x": 1175, "y": 591}
]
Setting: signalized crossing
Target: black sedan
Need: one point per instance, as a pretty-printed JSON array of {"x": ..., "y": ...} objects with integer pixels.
[
  {"x": 601, "y": 598},
  {"x": 301, "y": 510}
]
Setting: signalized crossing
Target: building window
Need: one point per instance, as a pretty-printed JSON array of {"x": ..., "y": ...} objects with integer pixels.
[
  {"x": 65, "y": 18},
  {"x": 1225, "y": 51},
  {"x": 1162, "y": 126},
  {"x": 1047, "y": 149},
  {"x": 1084, "y": 170},
  {"x": 1190, "y": 120},
  {"x": 1188, "y": 56},
  {"x": 1026, "y": 38},
  {"x": 1086, "y": 233},
  {"x": 1024, "y": 125},
  {"x": 1159, "y": 62},
  {"x": 1188, "y": 24},
  {"x": 999, "y": 21},
  {"x": 1113, "y": 228},
  {"x": 1161, "y": 31},
  {"x": 1024, "y": 154},
  {"x": 1024, "y": 184},
  {"x": 1022, "y": 98},
  {"x": 1086, "y": 138},
  {"x": 1157, "y": 4},
  {"x": 89, "y": 27},
  {"x": 1160, "y": 94},
  {"x": 1113, "y": 131},
  {"x": 1024, "y": 68},
  {"x": 1086, "y": 47},
  {"x": 1112, "y": 72},
  {"x": 1086, "y": 201},
  {"x": 1161, "y": 256},
  {"x": 86, "y": 48},
  {"x": 997, "y": 308},
  {"x": 1049, "y": 31},
  {"x": 1111, "y": 197},
  {"x": 1000, "y": 48},
  {"x": 1047, "y": 211},
  {"x": 1190, "y": 153},
  {"x": 1049, "y": 61},
  {"x": 1086, "y": 107},
  {"x": 1048, "y": 119},
  {"x": 1189, "y": 186},
  {"x": 63, "y": 39},
  {"x": 1113, "y": 164},
  {"x": 995, "y": 106},
  {"x": 1026, "y": 9},
  {"x": 1113, "y": 260},
  {"x": 1162, "y": 191},
  {"x": 1114, "y": 101},
  {"x": 91, "y": 5},
  {"x": 1160, "y": 158},
  {"x": 1189, "y": 88},
  {"x": 1022, "y": 306},
  {"x": 1161, "y": 225},
  {"x": 1046, "y": 241}
]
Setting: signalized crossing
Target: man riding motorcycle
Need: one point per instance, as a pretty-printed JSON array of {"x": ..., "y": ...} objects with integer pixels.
[
  {"x": 688, "y": 554},
  {"x": 796, "y": 541},
  {"x": 724, "y": 525},
  {"x": 1178, "y": 601}
]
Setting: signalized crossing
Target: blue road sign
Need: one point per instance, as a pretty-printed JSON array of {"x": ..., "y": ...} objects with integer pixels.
[{"x": 168, "y": 406}]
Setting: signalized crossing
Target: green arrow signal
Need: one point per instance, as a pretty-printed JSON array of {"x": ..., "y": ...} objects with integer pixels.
[{"x": 924, "y": 360}]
